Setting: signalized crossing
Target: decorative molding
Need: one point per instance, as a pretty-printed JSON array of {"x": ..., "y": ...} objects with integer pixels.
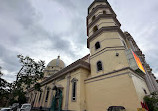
[
  {"x": 112, "y": 16},
  {"x": 109, "y": 77},
  {"x": 112, "y": 73},
  {"x": 100, "y": 7},
  {"x": 74, "y": 80},
  {"x": 77, "y": 64},
  {"x": 103, "y": 29},
  {"x": 107, "y": 49},
  {"x": 99, "y": 1},
  {"x": 67, "y": 91}
]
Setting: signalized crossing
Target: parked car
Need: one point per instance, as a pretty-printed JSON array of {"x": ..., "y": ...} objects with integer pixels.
[
  {"x": 116, "y": 108},
  {"x": 15, "y": 106},
  {"x": 25, "y": 107},
  {"x": 6, "y": 109}
]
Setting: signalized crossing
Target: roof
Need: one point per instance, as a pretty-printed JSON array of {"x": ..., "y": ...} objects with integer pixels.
[
  {"x": 56, "y": 62},
  {"x": 80, "y": 63},
  {"x": 97, "y": 1},
  {"x": 75, "y": 65}
]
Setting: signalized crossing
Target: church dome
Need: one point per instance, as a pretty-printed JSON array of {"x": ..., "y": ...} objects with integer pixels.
[
  {"x": 53, "y": 67},
  {"x": 56, "y": 63}
]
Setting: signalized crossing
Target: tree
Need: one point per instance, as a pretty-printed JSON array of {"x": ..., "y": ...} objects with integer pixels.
[
  {"x": 30, "y": 72},
  {"x": 4, "y": 89},
  {"x": 152, "y": 101},
  {"x": 28, "y": 76},
  {"x": 1, "y": 72}
]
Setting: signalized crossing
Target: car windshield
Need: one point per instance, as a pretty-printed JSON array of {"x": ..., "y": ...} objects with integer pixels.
[
  {"x": 5, "y": 109},
  {"x": 26, "y": 106},
  {"x": 116, "y": 108}
]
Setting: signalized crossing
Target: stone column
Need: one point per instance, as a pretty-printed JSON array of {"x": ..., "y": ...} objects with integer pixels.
[
  {"x": 149, "y": 80},
  {"x": 44, "y": 90},
  {"x": 34, "y": 100},
  {"x": 67, "y": 92},
  {"x": 154, "y": 82},
  {"x": 148, "y": 83},
  {"x": 51, "y": 95}
]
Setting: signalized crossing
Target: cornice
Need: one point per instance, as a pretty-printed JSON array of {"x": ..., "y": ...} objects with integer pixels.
[
  {"x": 100, "y": 7},
  {"x": 104, "y": 16},
  {"x": 98, "y": 1},
  {"x": 78, "y": 64},
  {"x": 125, "y": 68},
  {"x": 103, "y": 29}
]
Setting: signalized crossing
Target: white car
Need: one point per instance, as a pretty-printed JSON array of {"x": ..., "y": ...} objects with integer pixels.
[
  {"x": 6, "y": 109},
  {"x": 26, "y": 107}
]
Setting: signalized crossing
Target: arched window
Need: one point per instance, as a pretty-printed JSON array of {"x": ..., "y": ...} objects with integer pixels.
[
  {"x": 93, "y": 18},
  {"x": 74, "y": 89},
  {"x": 97, "y": 45},
  {"x": 104, "y": 12},
  {"x": 145, "y": 91},
  {"x": 99, "y": 66},
  {"x": 95, "y": 28},
  {"x": 47, "y": 95}
]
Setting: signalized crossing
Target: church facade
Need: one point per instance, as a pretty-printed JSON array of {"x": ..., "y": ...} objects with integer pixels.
[{"x": 114, "y": 74}]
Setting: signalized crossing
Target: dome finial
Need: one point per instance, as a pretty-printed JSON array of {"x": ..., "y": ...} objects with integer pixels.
[{"x": 58, "y": 56}]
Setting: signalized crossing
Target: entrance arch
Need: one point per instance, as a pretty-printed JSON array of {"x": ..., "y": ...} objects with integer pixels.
[{"x": 57, "y": 98}]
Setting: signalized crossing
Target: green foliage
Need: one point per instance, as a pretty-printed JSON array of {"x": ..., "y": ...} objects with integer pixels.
[
  {"x": 37, "y": 87},
  {"x": 31, "y": 71},
  {"x": 4, "y": 89},
  {"x": 152, "y": 101},
  {"x": 28, "y": 76}
]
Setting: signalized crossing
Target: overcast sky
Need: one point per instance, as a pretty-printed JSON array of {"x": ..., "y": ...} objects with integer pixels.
[{"x": 44, "y": 29}]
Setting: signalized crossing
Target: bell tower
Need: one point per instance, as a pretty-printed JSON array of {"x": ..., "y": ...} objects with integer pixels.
[{"x": 105, "y": 39}]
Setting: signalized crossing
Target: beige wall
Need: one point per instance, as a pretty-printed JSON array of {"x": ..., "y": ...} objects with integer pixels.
[
  {"x": 79, "y": 104},
  {"x": 139, "y": 84},
  {"x": 102, "y": 23},
  {"x": 98, "y": 12},
  {"x": 111, "y": 91},
  {"x": 110, "y": 62},
  {"x": 107, "y": 55},
  {"x": 84, "y": 74},
  {"x": 106, "y": 39},
  {"x": 128, "y": 44}
]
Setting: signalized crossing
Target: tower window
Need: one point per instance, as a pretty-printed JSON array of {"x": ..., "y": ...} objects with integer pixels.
[
  {"x": 93, "y": 18},
  {"x": 99, "y": 66},
  {"x": 95, "y": 28},
  {"x": 145, "y": 91},
  {"x": 74, "y": 89},
  {"x": 97, "y": 45},
  {"x": 104, "y": 12},
  {"x": 47, "y": 95}
]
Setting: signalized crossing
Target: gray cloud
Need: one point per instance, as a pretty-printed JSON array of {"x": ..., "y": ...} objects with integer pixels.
[{"x": 44, "y": 29}]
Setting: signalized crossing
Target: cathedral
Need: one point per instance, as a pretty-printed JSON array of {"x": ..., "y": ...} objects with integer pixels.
[{"x": 114, "y": 75}]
